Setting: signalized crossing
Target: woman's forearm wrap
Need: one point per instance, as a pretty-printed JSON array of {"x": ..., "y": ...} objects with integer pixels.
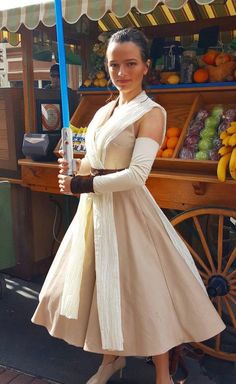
[{"x": 81, "y": 184}]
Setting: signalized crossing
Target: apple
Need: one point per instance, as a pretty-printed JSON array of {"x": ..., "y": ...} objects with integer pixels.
[
  {"x": 205, "y": 144},
  {"x": 208, "y": 132},
  {"x": 201, "y": 155}
]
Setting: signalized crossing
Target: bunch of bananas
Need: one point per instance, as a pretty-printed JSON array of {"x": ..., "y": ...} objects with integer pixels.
[{"x": 227, "y": 153}]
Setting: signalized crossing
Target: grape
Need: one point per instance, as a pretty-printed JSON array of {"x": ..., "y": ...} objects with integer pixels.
[
  {"x": 202, "y": 115},
  {"x": 216, "y": 143},
  {"x": 213, "y": 154},
  {"x": 230, "y": 114},
  {"x": 191, "y": 140},
  {"x": 186, "y": 153}
]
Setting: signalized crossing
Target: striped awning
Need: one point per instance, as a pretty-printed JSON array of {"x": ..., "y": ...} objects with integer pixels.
[{"x": 32, "y": 15}]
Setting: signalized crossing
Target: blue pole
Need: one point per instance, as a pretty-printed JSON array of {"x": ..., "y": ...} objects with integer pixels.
[{"x": 62, "y": 62}]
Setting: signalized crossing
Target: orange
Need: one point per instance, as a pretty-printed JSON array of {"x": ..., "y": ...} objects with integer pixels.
[
  {"x": 164, "y": 143},
  {"x": 159, "y": 153},
  {"x": 210, "y": 57},
  {"x": 167, "y": 152},
  {"x": 200, "y": 75},
  {"x": 171, "y": 142},
  {"x": 173, "y": 131}
]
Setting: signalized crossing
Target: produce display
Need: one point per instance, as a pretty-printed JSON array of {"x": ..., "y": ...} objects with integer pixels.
[
  {"x": 169, "y": 143},
  {"x": 227, "y": 152},
  {"x": 204, "y": 134}
]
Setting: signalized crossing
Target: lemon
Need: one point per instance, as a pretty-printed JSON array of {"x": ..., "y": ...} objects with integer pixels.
[
  {"x": 173, "y": 79},
  {"x": 87, "y": 83},
  {"x": 102, "y": 82},
  {"x": 100, "y": 75}
]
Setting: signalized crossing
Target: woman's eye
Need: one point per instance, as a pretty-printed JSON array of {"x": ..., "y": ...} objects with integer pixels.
[
  {"x": 131, "y": 64},
  {"x": 113, "y": 65}
]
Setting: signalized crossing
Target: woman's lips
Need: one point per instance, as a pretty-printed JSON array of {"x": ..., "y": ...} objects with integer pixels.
[{"x": 122, "y": 81}]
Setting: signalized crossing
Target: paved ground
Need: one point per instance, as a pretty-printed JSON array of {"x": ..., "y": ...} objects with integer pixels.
[
  {"x": 12, "y": 376},
  {"x": 29, "y": 349}
]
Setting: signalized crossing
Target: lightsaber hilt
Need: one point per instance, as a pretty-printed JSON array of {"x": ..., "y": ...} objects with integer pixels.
[{"x": 67, "y": 147}]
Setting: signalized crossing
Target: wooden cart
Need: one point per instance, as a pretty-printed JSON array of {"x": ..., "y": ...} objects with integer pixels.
[{"x": 201, "y": 208}]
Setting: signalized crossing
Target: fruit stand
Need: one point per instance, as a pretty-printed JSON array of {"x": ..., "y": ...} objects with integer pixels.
[{"x": 186, "y": 185}]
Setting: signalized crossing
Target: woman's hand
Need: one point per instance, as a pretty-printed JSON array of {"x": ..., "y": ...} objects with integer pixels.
[
  {"x": 64, "y": 166},
  {"x": 64, "y": 184}
]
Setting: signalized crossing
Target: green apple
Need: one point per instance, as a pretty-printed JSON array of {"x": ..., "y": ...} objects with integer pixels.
[
  {"x": 201, "y": 155},
  {"x": 207, "y": 132},
  {"x": 217, "y": 111},
  {"x": 205, "y": 144},
  {"x": 211, "y": 122}
]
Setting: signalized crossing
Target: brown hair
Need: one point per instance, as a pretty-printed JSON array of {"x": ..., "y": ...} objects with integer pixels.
[{"x": 132, "y": 35}]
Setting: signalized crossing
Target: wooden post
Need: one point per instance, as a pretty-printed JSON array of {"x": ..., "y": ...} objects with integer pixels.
[{"x": 28, "y": 79}]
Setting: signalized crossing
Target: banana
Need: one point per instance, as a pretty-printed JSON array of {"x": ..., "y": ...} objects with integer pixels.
[
  {"x": 231, "y": 129},
  {"x": 225, "y": 141},
  {"x": 233, "y": 123},
  {"x": 223, "y": 150},
  {"x": 222, "y": 166},
  {"x": 232, "y": 164},
  {"x": 223, "y": 135},
  {"x": 232, "y": 140}
]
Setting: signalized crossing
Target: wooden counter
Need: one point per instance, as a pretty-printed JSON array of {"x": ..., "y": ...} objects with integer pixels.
[{"x": 170, "y": 189}]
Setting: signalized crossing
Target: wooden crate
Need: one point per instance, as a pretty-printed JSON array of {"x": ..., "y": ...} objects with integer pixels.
[{"x": 181, "y": 106}]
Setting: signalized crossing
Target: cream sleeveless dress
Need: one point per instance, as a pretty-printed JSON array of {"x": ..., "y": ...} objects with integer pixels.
[{"x": 162, "y": 302}]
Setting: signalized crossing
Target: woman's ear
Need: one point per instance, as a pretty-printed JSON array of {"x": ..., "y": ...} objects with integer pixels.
[{"x": 148, "y": 64}]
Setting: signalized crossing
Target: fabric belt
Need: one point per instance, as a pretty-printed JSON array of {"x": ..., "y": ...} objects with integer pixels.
[{"x": 101, "y": 172}]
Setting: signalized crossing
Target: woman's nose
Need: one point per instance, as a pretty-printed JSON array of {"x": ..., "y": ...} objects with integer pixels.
[{"x": 121, "y": 70}]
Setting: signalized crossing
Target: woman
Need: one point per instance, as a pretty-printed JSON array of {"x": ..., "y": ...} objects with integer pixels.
[{"x": 123, "y": 283}]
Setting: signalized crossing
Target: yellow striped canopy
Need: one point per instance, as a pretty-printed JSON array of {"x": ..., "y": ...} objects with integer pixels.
[{"x": 32, "y": 15}]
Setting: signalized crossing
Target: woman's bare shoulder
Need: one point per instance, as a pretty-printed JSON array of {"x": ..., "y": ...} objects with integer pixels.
[{"x": 152, "y": 124}]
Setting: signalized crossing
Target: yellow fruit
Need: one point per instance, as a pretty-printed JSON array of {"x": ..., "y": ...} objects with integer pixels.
[
  {"x": 173, "y": 79},
  {"x": 100, "y": 75},
  {"x": 96, "y": 82},
  {"x": 225, "y": 141},
  {"x": 232, "y": 140},
  {"x": 102, "y": 82},
  {"x": 231, "y": 129},
  {"x": 87, "y": 83},
  {"x": 232, "y": 164},
  {"x": 222, "y": 166},
  {"x": 223, "y": 150},
  {"x": 223, "y": 135}
]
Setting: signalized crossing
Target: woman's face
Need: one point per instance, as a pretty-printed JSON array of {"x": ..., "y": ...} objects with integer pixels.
[{"x": 126, "y": 66}]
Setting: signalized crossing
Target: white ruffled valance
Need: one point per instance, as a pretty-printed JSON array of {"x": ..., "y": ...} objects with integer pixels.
[{"x": 43, "y": 10}]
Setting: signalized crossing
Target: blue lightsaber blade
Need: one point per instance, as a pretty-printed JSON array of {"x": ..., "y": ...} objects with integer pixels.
[
  {"x": 62, "y": 62},
  {"x": 66, "y": 132}
]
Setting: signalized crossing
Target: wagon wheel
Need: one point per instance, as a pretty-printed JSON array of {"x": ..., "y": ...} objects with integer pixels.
[{"x": 210, "y": 235}]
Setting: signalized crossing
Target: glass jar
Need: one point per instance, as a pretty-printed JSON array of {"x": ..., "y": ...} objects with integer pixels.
[{"x": 188, "y": 66}]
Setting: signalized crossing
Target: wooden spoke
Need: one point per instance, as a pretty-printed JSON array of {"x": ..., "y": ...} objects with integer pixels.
[
  {"x": 233, "y": 281},
  {"x": 232, "y": 292},
  {"x": 231, "y": 298},
  {"x": 230, "y": 311},
  {"x": 204, "y": 243},
  {"x": 232, "y": 274},
  {"x": 220, "y": 243},
  {"x": 233, "y": 287},
  {"x": 219, "y": 308},
  {"x": 230, "y": 261},
  {"x": 196, "y": 256}
]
